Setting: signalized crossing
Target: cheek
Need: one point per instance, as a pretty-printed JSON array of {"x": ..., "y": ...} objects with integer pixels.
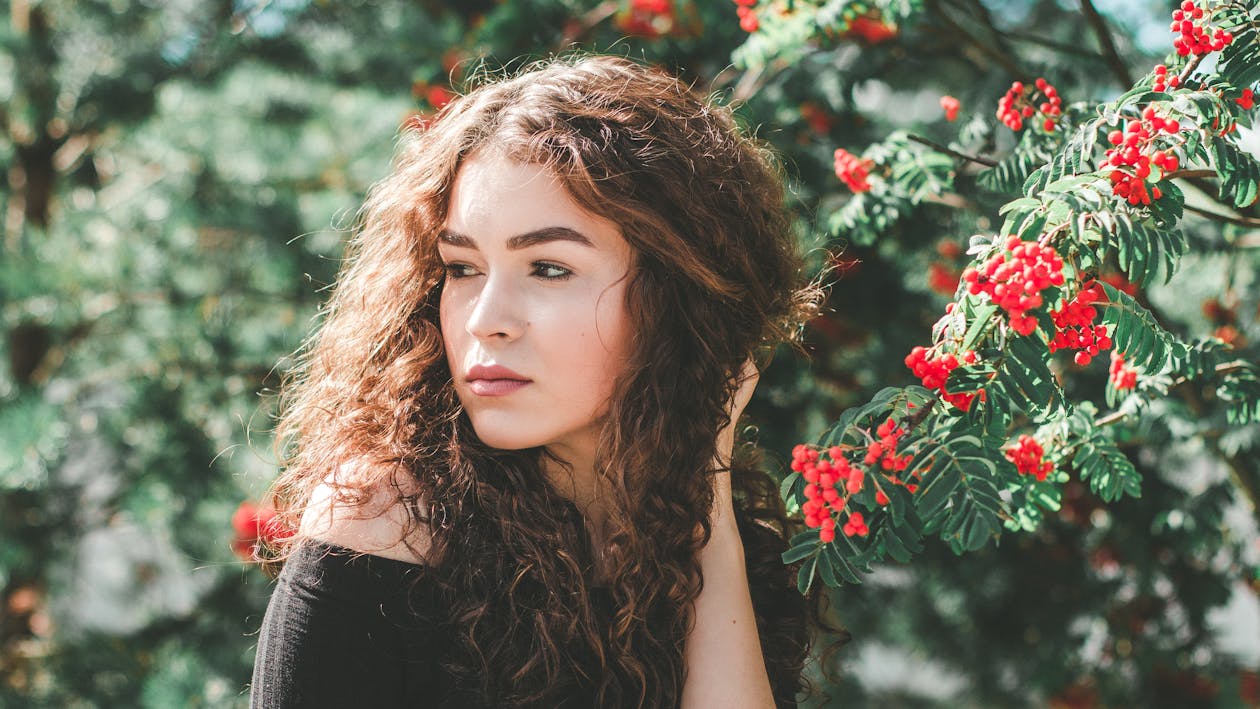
[
  {"x": 447, "y": 322},
  {"x": 609, "y": 338}
]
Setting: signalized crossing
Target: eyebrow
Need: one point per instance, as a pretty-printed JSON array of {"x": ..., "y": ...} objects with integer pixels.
[{"x": 521, "y": 241}]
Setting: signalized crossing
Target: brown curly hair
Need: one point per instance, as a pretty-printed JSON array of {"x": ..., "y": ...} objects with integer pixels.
[{"x": 716, "y": 278}]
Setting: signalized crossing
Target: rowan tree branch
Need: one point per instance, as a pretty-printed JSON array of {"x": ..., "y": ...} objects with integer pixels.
[
  {"x": 986, "y": 18},
  {"x": 1107, "y": 43},
  {"x": 978, "y": 159},
  {"x": 1225, "y": 368},
  {"x": 1040, "y": 41},
  {"x": 1003, "y": 59},
  {"x": 1226, "y": 218},
  {"x": 1189, "y": 174}
]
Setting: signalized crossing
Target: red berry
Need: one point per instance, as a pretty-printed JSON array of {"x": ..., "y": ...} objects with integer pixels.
[{"x": 852, "y": 170}]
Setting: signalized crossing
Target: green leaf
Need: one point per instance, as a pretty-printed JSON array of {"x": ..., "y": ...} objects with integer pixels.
[
  {"x": 970, "y": 377},
  {"x": 1239, "y": 173},
  {"x": 934, "y": 492},
  {"x": 1137, "y": 335},
  {"x": 1009, "y": 175},
  {"x": 957, "y": 493},
  {"x": 900, "y": 539},
  {"x": 979, "y": 322},
  {"x": 805, "y": 577},
  {"x": 840, "y": 566},
  {"x": 1024, "y": 371},
  {"x": 791, "y": 486},
  {"x": 1029, "y": 500},
  {"x": 803, "y": 549},
  {"x": 1240, "y": 390},
  {"x": 1240, "y": 60},
  {"x": 1110, "y": 474},
  {"x": 827, "y": 569}
]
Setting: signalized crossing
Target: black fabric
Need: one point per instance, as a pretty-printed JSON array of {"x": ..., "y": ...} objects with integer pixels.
[{"x": 345, "y": 629}]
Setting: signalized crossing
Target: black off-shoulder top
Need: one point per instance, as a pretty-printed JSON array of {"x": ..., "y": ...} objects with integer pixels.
[{"x": 347, "y": 629}]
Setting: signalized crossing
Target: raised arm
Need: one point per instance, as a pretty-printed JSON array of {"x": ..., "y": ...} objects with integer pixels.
[{"x": 725, "y": 667}]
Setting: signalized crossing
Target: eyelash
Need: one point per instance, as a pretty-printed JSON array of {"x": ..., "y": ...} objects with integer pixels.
[{"x": 454, "y": 271}]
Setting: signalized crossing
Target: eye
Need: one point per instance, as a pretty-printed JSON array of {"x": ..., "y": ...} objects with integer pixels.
[
  {"x": 456, "y": 271},
  {"x": 551, "y": 272}
]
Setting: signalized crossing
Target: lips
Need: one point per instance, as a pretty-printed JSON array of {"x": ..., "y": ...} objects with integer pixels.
[{"x": 494, "y": 380}]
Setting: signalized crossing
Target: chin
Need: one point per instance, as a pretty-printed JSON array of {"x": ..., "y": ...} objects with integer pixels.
[{"x": 503, "y": 436}]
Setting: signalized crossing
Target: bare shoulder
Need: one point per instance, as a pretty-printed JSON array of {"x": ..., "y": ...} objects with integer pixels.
[{"x": 375, "y": 528}]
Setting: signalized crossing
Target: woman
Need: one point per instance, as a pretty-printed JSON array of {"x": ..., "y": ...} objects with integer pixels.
[{"x": 510, "y": 440}]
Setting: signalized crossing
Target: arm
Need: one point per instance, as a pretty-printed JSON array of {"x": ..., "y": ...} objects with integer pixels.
[{"x": 723, "y": 656}]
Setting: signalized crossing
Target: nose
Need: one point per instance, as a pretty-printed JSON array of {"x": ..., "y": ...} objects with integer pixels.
[{"x": 496, "y": 312}]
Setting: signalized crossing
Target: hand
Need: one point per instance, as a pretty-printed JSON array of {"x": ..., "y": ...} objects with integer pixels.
[
  {"x": 735, "y": 408},
  {"x": 722, "y": 501}
]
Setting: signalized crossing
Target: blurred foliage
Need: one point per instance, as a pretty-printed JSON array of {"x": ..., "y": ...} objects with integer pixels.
[{"x": 180, "y": 177}]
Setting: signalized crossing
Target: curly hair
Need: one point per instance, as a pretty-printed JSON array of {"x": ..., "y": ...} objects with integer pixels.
[{"x": 716, "y": 277}]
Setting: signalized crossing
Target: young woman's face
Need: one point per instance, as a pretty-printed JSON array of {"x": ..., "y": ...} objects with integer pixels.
[{"x": 533, "y": 307}]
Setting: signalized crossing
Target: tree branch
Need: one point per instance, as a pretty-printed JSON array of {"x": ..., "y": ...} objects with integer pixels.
[
  {"x": 978, "y": 159},
  {"x": 1040, "y": 41},
  {"x": 986, "y": 18},
  {"x": 999, "y": 57},
  {"x": 1227, "y": 218},
  {"x": 1107, "y": 43},
  {"x": 1189, "y": 174},
  {"x": 1223, "y": 368}
]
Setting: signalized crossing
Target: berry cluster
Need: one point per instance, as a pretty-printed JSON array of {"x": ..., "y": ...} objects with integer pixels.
[
  {"x": 1225, "y": 318},
  {"x": 1020, "y": 103},
  {"x": 1122, "y": 375},
  {"x": 934, "y": 371},
  {"x": 1119, "y": 282},
  {"x": 1247, "y": 100},
  {"x": 1163, "y": 82},
  {"x": 884, "y": 450},
  {"x": 1133, "y": 156},
  {"x": 951, "y": 106},
  {"x": 831, "y": 481},
  {"x": 949, "y": 248},
  {"x": 821, "y": 476},
  {"x": 254, "y": 525},
  {"x": 817, "y": 118},
  {"x": 884, "y": 453},
  {"x": 868, "y": 27},
  {"x": 943, "y": 279},
  {"x": 855, "y": 526},
  {"x": 1075, "y": 328},
  {"x": 1015, "y": 285},
  {"x": 1217, "y": 312},
  {"x": 1029, "y": 458},
  {"x": 1194, "y": 36},
  {"x": 853, "y": 170},
  {"x": 438, "y": 96},
  {"x": 647, "y": 18},
  {"x": 748, "y": 21}
]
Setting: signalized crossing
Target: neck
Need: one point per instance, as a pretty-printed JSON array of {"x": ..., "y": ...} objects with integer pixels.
[{"x": 577, "y": 482}]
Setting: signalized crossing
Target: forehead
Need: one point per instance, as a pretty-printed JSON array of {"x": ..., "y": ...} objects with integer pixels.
[{"x": 495, "y": 198}]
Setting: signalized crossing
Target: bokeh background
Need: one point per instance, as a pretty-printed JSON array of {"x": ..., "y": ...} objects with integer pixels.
[{"x": 181, "y": 176}]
